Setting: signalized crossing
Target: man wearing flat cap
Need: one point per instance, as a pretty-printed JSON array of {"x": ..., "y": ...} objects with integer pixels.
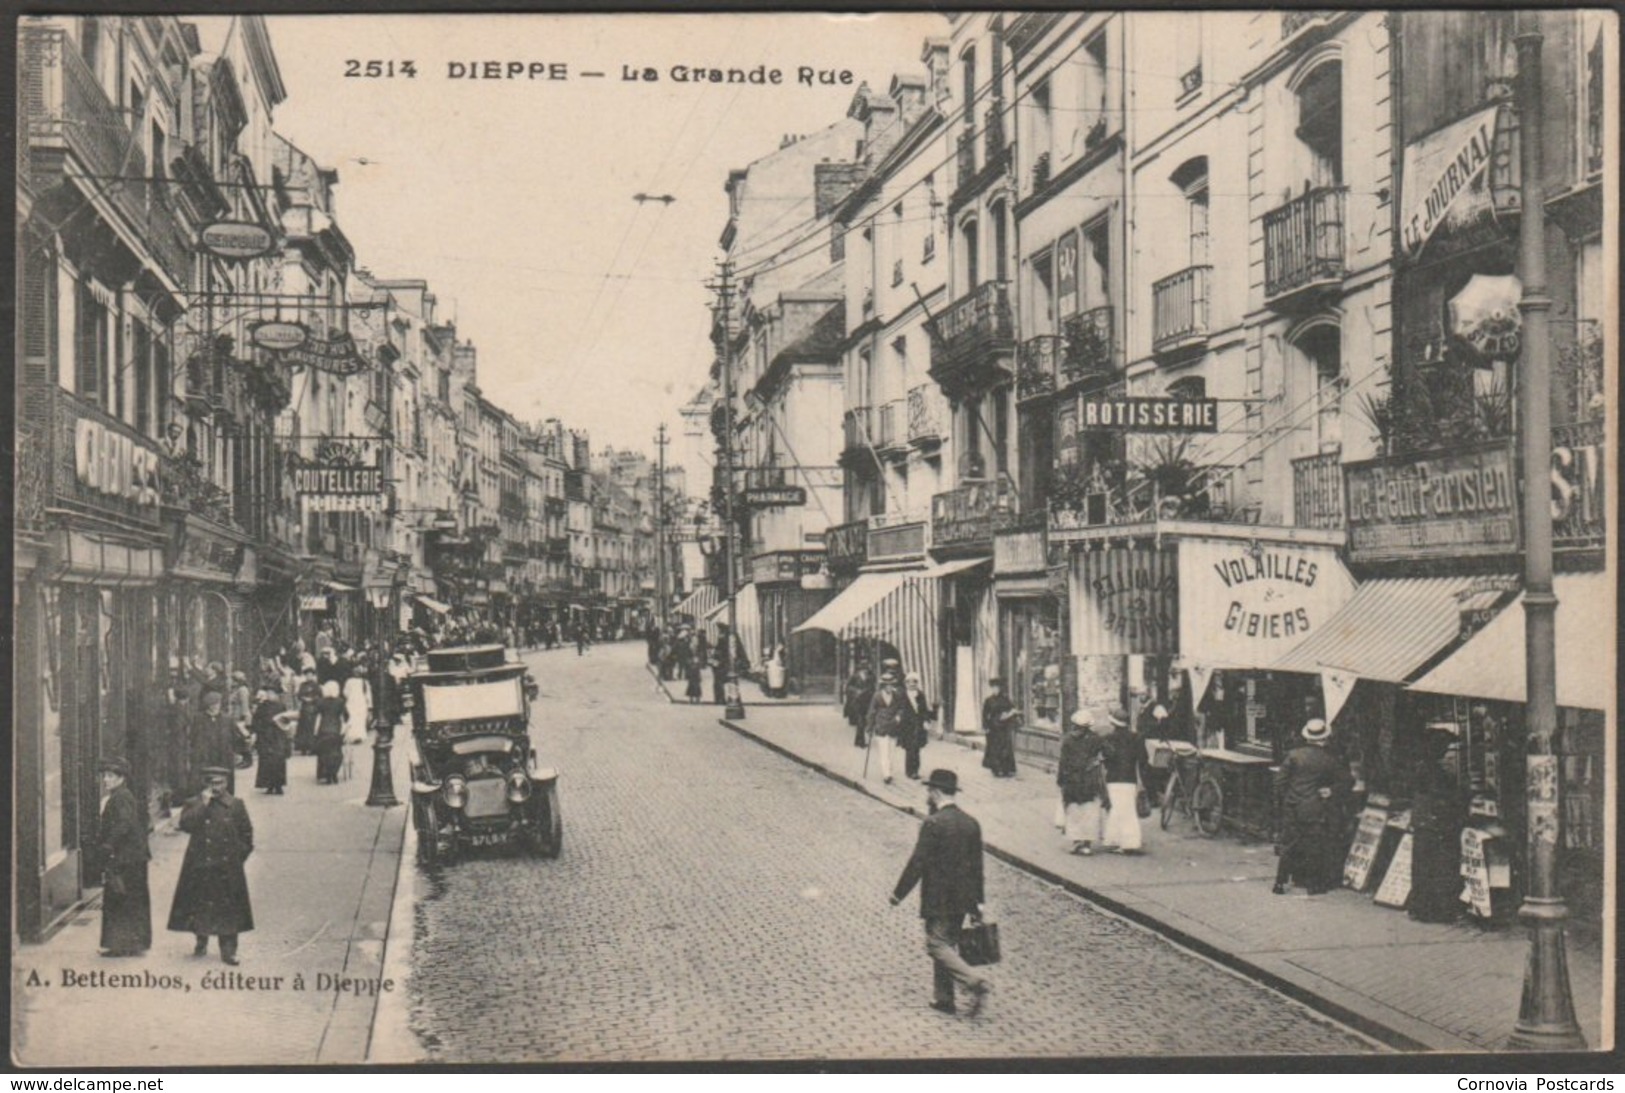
[
  {"x": 947, "y": 864},
  {"x": 211, "y": 898},
  {"x": 122, "y": 836}
]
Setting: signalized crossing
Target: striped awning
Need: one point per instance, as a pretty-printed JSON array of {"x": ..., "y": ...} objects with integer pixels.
[
  {"x": 900, "y": 608},
  {"x": 698, "y": 602},
  {"x": 1491, "y": 664},
  {"x": 747, "y": 613},
  {"x": 1390, "y": 628}
]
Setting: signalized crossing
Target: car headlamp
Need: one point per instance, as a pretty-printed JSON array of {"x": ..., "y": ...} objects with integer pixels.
[
  {"x": 518, "y": 787},
  {"x": 455, "y": 790}
]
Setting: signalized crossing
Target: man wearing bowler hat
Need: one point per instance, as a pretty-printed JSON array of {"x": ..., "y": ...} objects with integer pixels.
[
  {"x": 211, "y": 898},
  {"x": 947, "y": 864}
]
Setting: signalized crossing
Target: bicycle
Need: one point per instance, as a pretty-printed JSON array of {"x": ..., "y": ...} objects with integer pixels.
[{"x": 1191, "y": 787}]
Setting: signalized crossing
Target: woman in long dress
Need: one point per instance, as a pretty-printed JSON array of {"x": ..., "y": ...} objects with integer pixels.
[
  {"x": 1123, "y": 751},
  {"x": 999, "y": 718},
  {"x": 1081, "y": 776},
  {"x": 271, "y": 741},
  {"x": 358, "y": 701},
  {"x": 330, "y": 714}
]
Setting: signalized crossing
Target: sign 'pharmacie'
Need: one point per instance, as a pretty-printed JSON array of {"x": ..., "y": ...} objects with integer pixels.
[
  {"x": 237, "y": 240},
  {"x": 1456, "y": 503},
  {"x": 1149, "y": 415}
]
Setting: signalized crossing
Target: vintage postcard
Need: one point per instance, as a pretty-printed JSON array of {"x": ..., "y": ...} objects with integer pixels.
[{"x": 801, "y": 537}]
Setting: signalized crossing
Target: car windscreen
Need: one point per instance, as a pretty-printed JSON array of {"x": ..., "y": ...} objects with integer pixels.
[
  {"x": 472, "y": 745},
  {"x": 497, "y": 698}
]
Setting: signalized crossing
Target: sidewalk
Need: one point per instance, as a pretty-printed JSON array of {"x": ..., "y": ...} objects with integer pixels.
[
  {"x": 322, "y": 879},
  {"x": 1411, "y": 984}
]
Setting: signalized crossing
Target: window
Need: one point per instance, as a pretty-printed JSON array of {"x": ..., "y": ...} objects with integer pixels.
[
  {"x": 1191, "y": 178},
  {"x": 1322, "y": 346},
  {"x": 1592, "y": 116},
  {"x": 1191, "y": 387},
  {"x": 1041, "y": 316},
  {"x": 973, "y": 465},
  {"x": 1093, "y": 103},
  {"x": 967, "y": 67},
  {"x": 930, "y": 248},
  {"x": 90, "y": 344},
  {"x": 1001, "y": 242},
  {"x": 1001, "y": 431},
  {"x": 1096, "y": 264},
  {"x": 1320, "y": 122},
  {"x": 1042, "y": 136},
  {"x": 160, "y": 155},
  {"x": 897, "y": 244},
  {"x": 143, "y": 381},
  {"x": 1188, "y": 53},
  {"x": 90, "y": 41},
  {"x": 968, "y": 243}
]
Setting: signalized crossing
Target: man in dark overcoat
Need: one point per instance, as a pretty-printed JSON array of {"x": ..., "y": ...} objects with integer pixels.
[
  {"x": 122, "y": 835},
  {"x": 214, "y": 742},
  {"x": 211, "y": 898},
  {"x": 947, "y": 864},
  {"x": 1314, "y": 785}
]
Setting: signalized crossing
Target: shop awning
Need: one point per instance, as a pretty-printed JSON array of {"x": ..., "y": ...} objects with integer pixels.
[
  {"x": 699, "y": 602},
  {"x": 900, "y": 609},
  {"x": 433, "y": 604},
  {"x": 1491, "y": 664},
  {"x": 338, "y": 587},
  {"x": 1389, "y": 629},
  {"x": 960, "y": 565},
  {"x": 747, "y": 613}
]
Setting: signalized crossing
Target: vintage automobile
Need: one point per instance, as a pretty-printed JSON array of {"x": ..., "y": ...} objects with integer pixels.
[{"x": 475, "y": 781}]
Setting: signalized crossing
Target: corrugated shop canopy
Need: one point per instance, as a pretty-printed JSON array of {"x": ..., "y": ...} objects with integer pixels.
[
  {"x": 1491, "y": 664},
  {"x": 698, "y": 602},
  {"x": 747, "y": 612},
  {"x": 1389, "y": 629}
]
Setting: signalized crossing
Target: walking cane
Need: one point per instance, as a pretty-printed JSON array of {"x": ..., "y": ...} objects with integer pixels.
[{"x": 868, "y": 746}]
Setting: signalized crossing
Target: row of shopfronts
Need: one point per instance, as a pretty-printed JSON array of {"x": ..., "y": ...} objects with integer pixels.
[{"x": 1403, "y": 630}]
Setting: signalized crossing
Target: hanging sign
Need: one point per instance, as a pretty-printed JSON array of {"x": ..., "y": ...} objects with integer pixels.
[
  {"x": 312, "y": 602},
  {"x": 336, "y": 356},
  {"x": 1150, "y": 415},
  {"x": 279, "y": 335},
  {"x": 1447, "y": 504},
  {"x": 236, "y": 240},
  {"x": 775, "y": 496},
  {"x": 1485, "y": 315},
  {"x": 1335, "y": 685},
  {"x": 1445, "y": 177}
]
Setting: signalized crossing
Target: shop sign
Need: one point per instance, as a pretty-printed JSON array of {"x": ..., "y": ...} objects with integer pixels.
[
  {"x": 784, "y": 566},
  {"x": 279, "y": 335},
  {"x": 340, "y": 487},
  {"x": 897, "y": 541},
  {"x": 1020, "y": 552},
  {"x": 237, "y": 240},
  {"x": 1363, "y": 851},
  {"x": 114, "y": 464},
  {"x": 313, "y": 602},
  {"x": 336, "y": 356},
  {"x": 765, "y": 497},
  {"x": 848, "y": 544},
  {"x": 965, "y": 516},
  {"x": 1437, "y": 505},
  {"x": 1395, "y": 888},
  {"x": 1246, "y": 604},
  {"x": 1149, "y": 415},
  {"x": 1446, "y": 177},
  {"x": 1124, "y": 601}
]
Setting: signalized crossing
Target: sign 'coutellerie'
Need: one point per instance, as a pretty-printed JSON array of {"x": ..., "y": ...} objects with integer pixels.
[{"x": 326, "y": 480}]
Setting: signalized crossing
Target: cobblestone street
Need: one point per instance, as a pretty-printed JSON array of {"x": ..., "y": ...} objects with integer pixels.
[{"x": 718, "y": 901}]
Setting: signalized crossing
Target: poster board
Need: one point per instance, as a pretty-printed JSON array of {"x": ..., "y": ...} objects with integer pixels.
[
  {"x": 1363, "y": 852},
  {"x": 1396, "y": 883}
]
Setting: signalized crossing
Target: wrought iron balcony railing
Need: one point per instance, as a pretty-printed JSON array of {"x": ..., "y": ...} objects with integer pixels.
[
  {"x": 1317, "y": 491},
  {"x": 1179, "y": 309},
  {"x": 1038, "y": 364},
  {"x": 978, "y": 320},
  {"x": 927, "y": 412},
  {"x": 184, "y": 486},
  {"x": 1090, "y": 348},
  {"x": 858, "y": 429},
  {"x": 1303, "y": 242}
]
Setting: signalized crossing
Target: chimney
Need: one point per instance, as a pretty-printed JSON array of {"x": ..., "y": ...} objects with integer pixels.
[
  {"x": 908, "y": 92},
  {"x": 832, "y": 182},
  {"x": 935, "y": 58}
]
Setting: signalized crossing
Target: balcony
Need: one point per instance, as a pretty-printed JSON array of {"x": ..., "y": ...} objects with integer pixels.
[
  {"x": 926, "y": 414},
  {"x": 897, "y": 540},
  {"x": 185, "y": 487},
  {"x": 1303, "y": 245},
  {"x": 858, "y": 429},
  {"x": 1317, "y": 491},
  {"x": 965, "y": 518},
  {"x": 846, "y": 545},
  {"x": 969, "y": 337},
  {"x": 94, "y": 463},
  {"x": 1038, "y": 364},
  {"x": 1294, "y": 21},
  {"x": 890, "y": 439},
  {"x": 1179, "y": 312},
  {"x": 1090, "y": 349},
  {"x": 67, "y": 113},
  {"x": 1580, "y": 503}
]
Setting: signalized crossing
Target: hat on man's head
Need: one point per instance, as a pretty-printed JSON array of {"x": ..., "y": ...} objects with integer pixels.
[
  {"x": 217, "y": 772},
  {"x": 889, "y": 675},
  {"x": 995, "y": 682},
  {"x": 1316, "y": 729},
  {"x": 1159, "y": 711},
  {"x": 1082, "y": 718},
  {"x": 891, "y": 662},
  {"x": 114, "y": 764},
  {"x": 1118, "y": 717},
  {"x": 945, "y": 780},
  {"x": 239, "y": 676}
]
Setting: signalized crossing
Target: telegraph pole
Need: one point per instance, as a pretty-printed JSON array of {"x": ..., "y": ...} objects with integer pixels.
[
  {"x": 660, "y": 528},
  {"x": 734, "y": 708},
  {"x": 1546, "y": 1019}
]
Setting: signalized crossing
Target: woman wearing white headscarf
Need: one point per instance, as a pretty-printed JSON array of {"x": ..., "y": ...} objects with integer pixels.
[
  {"x": 358, "y": 702},
  {"x": 1081, "y": 775}
]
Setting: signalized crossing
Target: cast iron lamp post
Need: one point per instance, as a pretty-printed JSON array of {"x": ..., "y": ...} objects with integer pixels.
[{"x": 382, "y": 793}]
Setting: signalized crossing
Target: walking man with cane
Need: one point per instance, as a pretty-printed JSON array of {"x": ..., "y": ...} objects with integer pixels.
[{"x": 947, "y": 864}]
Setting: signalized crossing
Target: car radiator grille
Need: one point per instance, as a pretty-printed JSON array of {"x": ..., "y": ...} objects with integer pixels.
[{"x": 487, "y": 797}]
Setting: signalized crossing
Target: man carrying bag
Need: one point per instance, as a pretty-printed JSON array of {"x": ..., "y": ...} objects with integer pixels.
[{"x": 947, "y": 864}]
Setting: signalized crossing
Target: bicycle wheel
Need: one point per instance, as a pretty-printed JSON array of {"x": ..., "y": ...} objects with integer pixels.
[
  {"x": 1169, "y": 792},
  {"x": 1207, "y": 805}
]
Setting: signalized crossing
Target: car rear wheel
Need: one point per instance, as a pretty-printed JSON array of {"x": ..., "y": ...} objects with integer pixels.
[{"x": 428, "y": 827}]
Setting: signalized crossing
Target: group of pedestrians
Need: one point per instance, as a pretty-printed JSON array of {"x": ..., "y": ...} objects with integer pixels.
[
  {"x": 685, "y": 652},
  {"x": 211, "y": 897},
  {"x": 1102, "y": 785},
  {"x": 890, "y": 714}
]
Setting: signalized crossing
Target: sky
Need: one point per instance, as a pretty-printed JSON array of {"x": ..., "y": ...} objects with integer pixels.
[{"x": 514, "y": 198}]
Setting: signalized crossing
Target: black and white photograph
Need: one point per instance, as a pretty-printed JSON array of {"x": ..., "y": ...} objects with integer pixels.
[{"x": 810, "y": 538}]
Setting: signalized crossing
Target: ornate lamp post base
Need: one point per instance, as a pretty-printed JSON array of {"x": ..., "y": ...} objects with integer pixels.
[{"x": 382, "y": 793}]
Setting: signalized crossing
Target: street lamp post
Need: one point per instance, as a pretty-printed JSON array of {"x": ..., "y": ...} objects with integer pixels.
[
  {"x": 734, "y": 708},
  {"x": 382, "y": 793},
  {"x": 1546, "y": 1019}
]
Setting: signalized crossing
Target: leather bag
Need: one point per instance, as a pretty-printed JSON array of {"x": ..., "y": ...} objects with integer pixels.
[{"x": 979, "y": 944}]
